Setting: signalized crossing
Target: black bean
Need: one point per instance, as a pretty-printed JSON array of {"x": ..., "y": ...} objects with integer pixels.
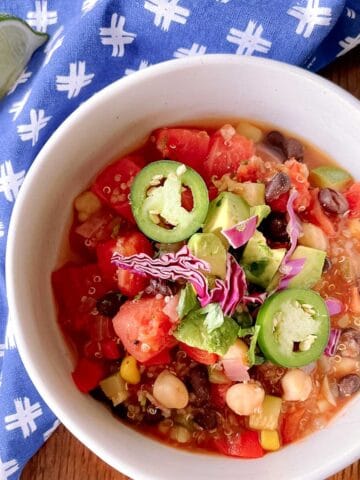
[
  {"x": 293, "y": 149},
  {"x": 120, "y": 411},
  {"x": 153, "y": 415},
  {"x": 290, "y": 147},
  {"x": 276, "y": 139},
  {"x": 332, "y": 201},
  {"x": 278, "y": 185},
  {"x": 327, "y": 265},
  {"x": 274, "y": 227},
  {"x": 350, "y": 343},
  {"x": 207, "y": 419},
  {"x": 200, "y": 385},
  {"x": 110, "y": 303},
  {"x": 349, "y": 385},
  {"x": 99, "y": 395}
]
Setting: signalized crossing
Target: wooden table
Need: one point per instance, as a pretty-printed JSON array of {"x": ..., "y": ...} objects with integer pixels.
[{"x": 64, "y": 458}]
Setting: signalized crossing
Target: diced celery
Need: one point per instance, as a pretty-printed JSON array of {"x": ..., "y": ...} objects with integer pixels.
[
  {"x": 268, "y": 417},
  {"x": 253, "y": 193},
  {"x": 114, "y": 388},
  {"x": 330, "y": 177},
  {"x": 249, "y": 131},
  {"x": 269, "y": 440}
]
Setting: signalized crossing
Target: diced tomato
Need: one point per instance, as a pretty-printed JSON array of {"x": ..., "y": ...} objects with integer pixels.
[
  {"x": 110, "y": 349},
  {"x": 218, "y": 393},
  {"x": 189, "y": 146},
  {"x": 252, "y": 170},
  {"x": 104, "y": 252},
  {"x": 130, "y": 284},
  {"x": 244, "y": 445},
  {"x": 227, "y": 151},
  {"x": 131, "y": 243},
  {"x": 290, "y": 425},
  {"x": 353, "y": 197},
  {"x": 84, "y": 237},
  {"x": 279, "y": 204},
  {"x": 162, "y": 358},
  {"x": 213, "y": 192},
  {"x": 113, "y": 184},
  {"x": 88, "y": 374},
  {"x": 143, "y": 327},
  {"x": 103, "y": 340},
  {"x": 299, "y": 173},
  {"x": 76, "y": 288},
  {"x": 201, "y": 356},
  {"x": 187, "y": 200},
  {"x": 316, "y": 215}
]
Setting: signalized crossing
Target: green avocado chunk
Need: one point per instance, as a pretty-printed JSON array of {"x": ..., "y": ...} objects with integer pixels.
[
  {"x": 262, "y": 211},
  {"x": 225, "y": 211},
  {"x": 294, "y": 327},
  {"x": 259, "y": 261},
  {"x": 209, "y": 247},
  {"x": 330, "y": 177},
  {"x": 194, "y": 331},
  {"x": 312, "y": 269}
]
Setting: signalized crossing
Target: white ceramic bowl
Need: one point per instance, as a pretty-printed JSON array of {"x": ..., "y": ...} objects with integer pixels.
[{"x": 110, "y": 123}]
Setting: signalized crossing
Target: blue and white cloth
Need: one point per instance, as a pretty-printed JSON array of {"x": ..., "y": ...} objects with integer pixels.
[{"x": 93, "y": 43}]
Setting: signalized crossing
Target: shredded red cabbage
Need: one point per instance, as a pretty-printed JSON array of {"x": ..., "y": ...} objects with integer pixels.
[
  {"x": 334, "y": 306},
  {"x": 290, "y": 268},
  {"x": 181, "y": 265},
  {"x": 334, "y": 338},
  {"x": 241, "y": 233},
  {"x": 231, "y": 291}
]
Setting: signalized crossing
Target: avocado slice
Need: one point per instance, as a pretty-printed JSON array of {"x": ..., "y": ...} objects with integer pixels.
[
  {"x": 209, "y": 247},
  {"x": 225, "y": 211},
  {"x": 312, "y": 269},
  {"x": 262, "y": 211},
  {"x": 330, "y": 177},
  {"x": 261, "y": 262}
]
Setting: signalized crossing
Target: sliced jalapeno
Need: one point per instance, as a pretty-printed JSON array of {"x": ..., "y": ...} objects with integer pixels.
[
  {"x": 156, "y": 201},
  {"x": 295, "y": 327}
]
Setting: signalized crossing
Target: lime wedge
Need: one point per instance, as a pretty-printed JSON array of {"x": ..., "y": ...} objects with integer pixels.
[{"x": 18, "y": 42}]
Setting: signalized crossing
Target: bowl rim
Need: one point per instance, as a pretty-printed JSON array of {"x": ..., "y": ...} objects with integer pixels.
[{"x": 89, "y": 105}]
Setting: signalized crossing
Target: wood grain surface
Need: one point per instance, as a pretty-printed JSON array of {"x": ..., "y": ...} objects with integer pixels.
[{"x": 65, "y": 458}]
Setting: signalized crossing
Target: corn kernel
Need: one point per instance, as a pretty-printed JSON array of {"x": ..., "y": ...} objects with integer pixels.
[
  {"x": 269, "y": 440},
  {"x": 129, "y": 370},
  {"x": 86, "y": 204}
]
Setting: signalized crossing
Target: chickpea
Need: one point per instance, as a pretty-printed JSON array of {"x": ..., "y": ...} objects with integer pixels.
[
  {"x": 296, "y": 385},
  {"x": 170, "y": 391},
  {"x": 238, "y": 351},
  {"x": 245, "y": 398}
]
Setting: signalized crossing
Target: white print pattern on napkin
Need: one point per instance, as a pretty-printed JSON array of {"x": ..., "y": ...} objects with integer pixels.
[
  {"x": 166, "y": 12},
  {"x": 310, "y": 16},
  {"x": 24, "y": 416},
  {"x": 41, "y": 17},
  {"x": 75, "y": 81}
]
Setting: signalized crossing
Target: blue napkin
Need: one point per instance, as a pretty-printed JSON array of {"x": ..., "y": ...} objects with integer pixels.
[{"x": 93, "y": 43}]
